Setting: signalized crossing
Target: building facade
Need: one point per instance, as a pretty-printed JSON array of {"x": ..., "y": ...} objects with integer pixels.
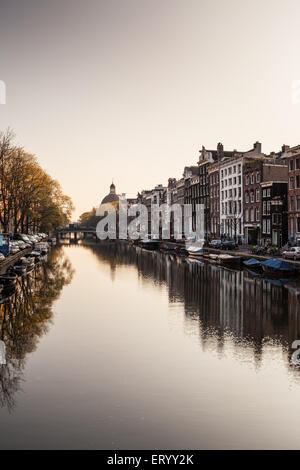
[
  {"x": 214, "y": 199},
  {"x": 274, "y": 229},
  {"x": 293, "y": 163}
]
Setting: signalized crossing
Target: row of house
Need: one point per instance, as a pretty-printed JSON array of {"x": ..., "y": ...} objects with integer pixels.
[{"x": 248, "y": 196}]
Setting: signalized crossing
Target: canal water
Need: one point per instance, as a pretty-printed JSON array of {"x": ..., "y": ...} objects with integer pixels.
[{"x": 113, "y": 347}]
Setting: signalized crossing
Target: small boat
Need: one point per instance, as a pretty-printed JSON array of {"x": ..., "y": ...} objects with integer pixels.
[
  {"x": 277, "y": 267},
  {"x": 149, "y": 244},
  {"x": 36, "y": 255},
  {"x": 253, "y": 265},
  {"x": 213, "y": 256},
  {"x": 19, "y": 269},
  {"x": 181, "y": 250},
  {"x": 230, "y": 261},
  {"x": 8, "y": 278},
  {"x": 167, "y": 246},
  {"x": 195, "y": 250}
]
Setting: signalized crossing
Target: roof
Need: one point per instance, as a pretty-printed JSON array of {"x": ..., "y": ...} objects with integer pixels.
[{"x": 110, "y": 198}]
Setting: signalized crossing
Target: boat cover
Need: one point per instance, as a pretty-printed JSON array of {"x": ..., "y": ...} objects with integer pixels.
[
  {"x": 278, "y": 265},
  {"x": 252, "y": 262}
]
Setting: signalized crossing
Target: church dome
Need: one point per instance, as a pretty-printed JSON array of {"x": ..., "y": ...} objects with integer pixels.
[{"x": 112, "y": 196}]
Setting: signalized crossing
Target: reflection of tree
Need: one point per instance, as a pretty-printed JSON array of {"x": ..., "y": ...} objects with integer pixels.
[{"x": 26, "y": 316}]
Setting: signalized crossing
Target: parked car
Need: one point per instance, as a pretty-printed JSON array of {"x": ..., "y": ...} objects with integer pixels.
[
  {"x": 13, "y": 248},
  {"x": 292, "y": 253},
  {"x": 215, "y": 244},
  {"x": 228, "y": 245}
]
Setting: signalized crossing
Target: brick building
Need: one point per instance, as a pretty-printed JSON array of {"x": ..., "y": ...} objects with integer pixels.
[
  {"x": 274, "y": 224},
  {"x": 256, "y": 172},
  {"x": 214, "y": 202},
  {"x": 293, "y": 162}
]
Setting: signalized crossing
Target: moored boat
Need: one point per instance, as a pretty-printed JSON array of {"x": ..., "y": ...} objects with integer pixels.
[
  {"x": 149, "y": 244},
  {"x": 195, "y": 250},
  {"x": 167, "y": 246},
  {"x": 8, "y": 278},
  {"x": 230, "y": 261},
  {"x": 253, "y": 264},
  {"x": 277, "y": 267}
]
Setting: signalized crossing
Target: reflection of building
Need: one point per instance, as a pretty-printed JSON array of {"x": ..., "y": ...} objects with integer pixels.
[{"x": 219, "y": 304}]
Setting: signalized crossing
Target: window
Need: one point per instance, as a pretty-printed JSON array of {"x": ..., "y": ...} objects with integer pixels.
[
  {"x": 268, "y": 192},
  {"x": 234, "y": 169},
  {"x": 297, "y": 164},
  {"x": 264, "y": 193},
  {"x": 234, "y": 180},
  {"x": 252, "y": 215},
  {"x": 247, "y": 180},
  {"x": 257, "y": 195},
  {"x": 298, "y": 224},
  {"x": 246, "y": 215},
  {"x": 246, "y": 197},
  {"x": 264, "y": 226},
  {"x": 291, "y": 182},
  {"x": 240, "y": 180},
  {"x": 252, "y": 178},
  {"x": 257, "y": 177},
  {"x": 268, "y": 226},
  {"x": 264, "y": 208},
  {"x": 268, "y": 207},
  {"x": 257, "y": 215},
  {"x": 240, "y": 168},
  {"x": 291, "y": 203},
  {"x": 298, "y": 203},
  {"x": 252, "y": 196},
  {"x": 297, "y": 181},
  {"x": 276, "y": 219},
  {"x": 291, "y": 165}
]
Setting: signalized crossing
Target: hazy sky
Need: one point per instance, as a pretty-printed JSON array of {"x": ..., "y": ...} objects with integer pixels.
[{"x": 131, "y": 89}]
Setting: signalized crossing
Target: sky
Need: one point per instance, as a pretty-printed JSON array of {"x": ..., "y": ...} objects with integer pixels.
[{"x": 130, "y": 90}]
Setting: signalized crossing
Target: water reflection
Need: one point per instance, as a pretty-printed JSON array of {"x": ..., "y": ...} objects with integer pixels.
[
  {"x": 26, "y": 316},
  {"x": 250, "y": 311}
]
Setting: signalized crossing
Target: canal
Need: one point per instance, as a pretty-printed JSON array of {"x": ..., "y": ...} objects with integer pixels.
[{"x": 112, "y": 347}]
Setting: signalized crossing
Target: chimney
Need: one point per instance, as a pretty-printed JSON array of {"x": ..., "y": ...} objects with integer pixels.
[
  {"x": 257, "y": 147},
  {"x": 220, "y": 151},
  {"x": 285, "y": 148}
]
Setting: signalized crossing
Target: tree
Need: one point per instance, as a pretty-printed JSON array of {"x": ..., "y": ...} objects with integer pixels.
[{"x": 29, "y": 198}]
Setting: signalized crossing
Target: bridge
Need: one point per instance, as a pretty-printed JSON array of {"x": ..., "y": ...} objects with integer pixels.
[{"x": 76, "y": 233}]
